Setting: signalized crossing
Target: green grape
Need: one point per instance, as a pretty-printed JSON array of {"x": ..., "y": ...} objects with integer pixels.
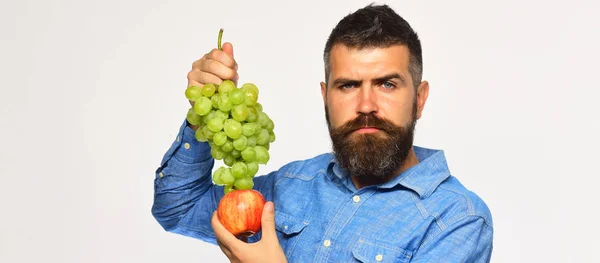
[
  {"x": 208, "y": 134},
  {"x": 226, "y": 86},
  {"x": 223, "y": 115},
  {"x": 270, "y": 125},
  {"x": 240, "y": 112},
  {"x": 202, "y": 106},
  {"x": 252, "y": 114},
  {"x": 192, "y": 117},
  {"x": 271, "y": 137},
  {"x": 239, "y": 170},
  {"x": 248, "y": 129},
  {"x": 235, "y": 153},
  {"x": 215, "y": 101},
  {"x": 217, "y": 153},
  {"x": 252, "y": 168},
  {"x": 237, "y": 130},
  {"x": 251, "y": 87},
  {"x": 258, "y": 107},
  {"x": 224, "y": 102},
  {"x": 227, "y": 177},
  {"x": 200, "y": 135},
  {"x": 262, "y": 155},
  {"x": 248, "y": 154},
  {"x": 251, "y": 92},
  {"x": 227, "y": 147},
  {"x": 217, "y": 176},
  {"x": 263, "y": 137},
  {"x": 257, "y": 128},
  {"x": 248, "y": 101},
  {"x": 208, "y": 90},
  {"x": 232, "y": 128},
  {"x": 215, "y": 124},
  {"x": 201, "y": 124},
  {"x": 251, "y": 141},
  {"x": 220, "y": 138},
  {"x": 229, "y": 160},
  {"x": 193, "y": 93},
  {"x": 240, "y": 143},
  {"x": 244, "y": 183},
  {"x": 236, "y": 96},
  {"x": 263, "y": 119},
  {"x": 208, "y": 116}
]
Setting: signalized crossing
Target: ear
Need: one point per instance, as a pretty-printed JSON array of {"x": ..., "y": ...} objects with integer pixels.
[
  {"x": 324, "y": 92},
  {"x": 422, "y": 94}
]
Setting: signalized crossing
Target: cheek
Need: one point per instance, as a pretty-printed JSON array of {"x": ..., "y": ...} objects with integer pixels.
[
  {"x": 340, "y": 110},
  {"x": 397, "y": 109}
]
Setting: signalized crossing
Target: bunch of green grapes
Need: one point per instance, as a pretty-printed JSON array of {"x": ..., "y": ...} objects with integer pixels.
[{"x": 233, "y": 123}]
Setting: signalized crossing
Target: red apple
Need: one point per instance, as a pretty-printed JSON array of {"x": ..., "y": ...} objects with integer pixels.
[{"x": 240, "y": 212}]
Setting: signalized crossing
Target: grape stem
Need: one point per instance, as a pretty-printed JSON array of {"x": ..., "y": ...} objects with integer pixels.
[{"x": 219, "y": 39}]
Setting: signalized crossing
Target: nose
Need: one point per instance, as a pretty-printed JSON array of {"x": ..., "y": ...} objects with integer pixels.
[{"x": 367, "y": 101}]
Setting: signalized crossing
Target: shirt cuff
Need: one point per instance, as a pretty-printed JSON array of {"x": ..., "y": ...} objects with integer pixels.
[{"x": 188, "y": 149}]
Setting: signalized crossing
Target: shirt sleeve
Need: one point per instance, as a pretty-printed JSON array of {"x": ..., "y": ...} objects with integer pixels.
[
  {"x": 184, "y": 194},
  {"x": 182, "y": 181},
  {"x": 467, "y": 240}
]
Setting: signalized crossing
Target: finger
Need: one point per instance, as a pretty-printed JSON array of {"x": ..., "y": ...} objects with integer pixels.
[
  {"x": 223, "y": 235},
  {"x": 225, "y": 250},
  {"x": 219, "y": 56},
  {"x": 224, "y": 56},
  {"x": 199, "y": 78},
  {"x": 228, "y": 49},
  {"x": 268, "y": 222},
  {"x": 217, "y": 68}
]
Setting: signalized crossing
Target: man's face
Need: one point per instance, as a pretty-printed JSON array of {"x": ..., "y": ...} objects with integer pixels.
[{"x": 371, "y": 108}]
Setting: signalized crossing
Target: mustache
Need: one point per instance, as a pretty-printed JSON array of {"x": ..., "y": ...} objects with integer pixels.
[{"x": 365, "y": 120}]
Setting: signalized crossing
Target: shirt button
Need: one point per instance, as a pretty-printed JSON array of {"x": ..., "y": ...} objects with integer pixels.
[
  {"x": 356, "y": 198},
  {"x": 186, "y": 146},
  {"x": 327, "y": 243},
  {"x": 160, "y": 174},
  {"x": 379, "y": 257}
]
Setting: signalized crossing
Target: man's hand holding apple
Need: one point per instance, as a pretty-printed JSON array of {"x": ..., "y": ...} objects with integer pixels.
[{"x": 265, "y": 250}]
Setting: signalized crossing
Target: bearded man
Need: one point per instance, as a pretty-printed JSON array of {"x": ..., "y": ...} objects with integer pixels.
[{"x": 376, "y": 197}]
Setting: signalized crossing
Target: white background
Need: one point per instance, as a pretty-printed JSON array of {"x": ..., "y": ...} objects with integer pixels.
[{"x": 92, "y": 95}]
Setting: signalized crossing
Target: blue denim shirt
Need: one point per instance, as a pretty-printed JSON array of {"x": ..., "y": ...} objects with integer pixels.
[{"x": 422, "y": 215}]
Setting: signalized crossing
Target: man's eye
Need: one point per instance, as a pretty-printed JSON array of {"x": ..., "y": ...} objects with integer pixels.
[
  {"x": 388, "y": 85},
  {"x": 347, "y": 86}
]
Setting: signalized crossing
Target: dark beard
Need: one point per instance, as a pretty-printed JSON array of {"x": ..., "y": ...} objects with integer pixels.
[{"x": 373, "y": 158}]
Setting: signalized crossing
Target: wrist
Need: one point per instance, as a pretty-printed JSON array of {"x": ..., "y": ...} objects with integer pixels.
[{"x": 193, "y": 127}]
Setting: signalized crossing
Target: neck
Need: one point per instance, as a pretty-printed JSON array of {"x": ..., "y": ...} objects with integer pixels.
[{"x": 411, "y": 160}]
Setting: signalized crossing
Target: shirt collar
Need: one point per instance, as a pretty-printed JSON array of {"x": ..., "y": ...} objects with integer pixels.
[{"x": 422, "y": 178}]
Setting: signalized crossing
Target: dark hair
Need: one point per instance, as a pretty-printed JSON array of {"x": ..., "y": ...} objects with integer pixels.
[{"x": 376, "y": 26}]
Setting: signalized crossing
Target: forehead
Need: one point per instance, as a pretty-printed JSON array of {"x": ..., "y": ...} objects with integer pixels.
[{"x": 345, "y": 59}]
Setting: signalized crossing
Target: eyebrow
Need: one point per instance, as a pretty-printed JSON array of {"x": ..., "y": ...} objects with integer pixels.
[
  {"x": 390, "y": 76},
  {"x": 340, "y": 81},
  {"x": 379, "y": 80}
]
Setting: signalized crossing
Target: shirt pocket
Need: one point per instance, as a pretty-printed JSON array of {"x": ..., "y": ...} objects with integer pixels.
[
  {"x": 289, "y": 230},
  {"x": 379, "y": 252}
]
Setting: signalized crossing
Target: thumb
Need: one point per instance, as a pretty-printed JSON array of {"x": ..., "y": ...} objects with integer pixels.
[
  {"x": 268, "y": 222},
  {"x": 228, "y": 48}
]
